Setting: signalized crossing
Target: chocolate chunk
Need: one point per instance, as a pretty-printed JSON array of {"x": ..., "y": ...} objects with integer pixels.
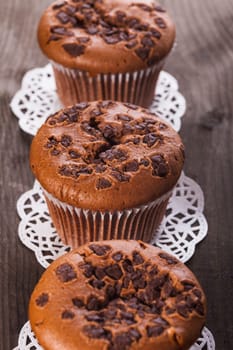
[
  {"x": 131, "y": 106},
  {"x": 74, "y": 49},
  {"x": 83, "y": 39},
  {"x": 199, "y": 308},
  {"x": 133, "y": 22},
  {"x": 155, "y": 33},
  {"x": 182, "y": 309},
  {"x": 92, "y": 29},
  {"x": 52, "y": 141},
  {"x": 127, "y": 315},
  {"x": 161, "y": 321},
  {"x": 54, "y": 38},
  {"x": 111, "y": 292},
  {"x": 120, "y": 16},
  {"x": 112, "y": 153},
  {"x": 197, "y": 293},
  {"x": 131, "y": 166},
  {"x": 127, "y": 265},
  {"x": 136, "y": 140},
  {"x": 145, "y": 7},
  {"x": 61, "y": 31},
  {"x": 55, "y": 152},
  {"x": 100, "y": 168},
  {"x": 66, "y": 273},
  {"x": 110, "y": 314},
  {"x": 99, "y": 250},
  {"x": 66, "y": 140},
  {"x": 127, "y": 129},
  {"x": 117, "y": 256},
  {"x": 160, "y": 168},
  {"x": 97, "y": 332},
  {"x": 93, "y": 303},
  {"x": 99, "y": 273},
  {"x": 154, "y": 331},
  {"x": 77, "y": 302},
  {"x": 120, "y": 176},
  {"x": 42, "y": 300},
  {"x": 170, "y": 259},
  {"x": 137, "y": 258},
  {"x": 103, "y": 183},
  {"x": 150, "y": 139},
  {"x": 139, "y": 283},
  {"x": 131, "y": 44},
  {"x": 159, "y": 8},
  {"x": 82, "y": 105},
  {"x": 58, "y": 5},
  {"x": 147, "y": 41},
  {"x": 97, "y": 284},
  {"x": 126, "y": 282},
  {"x": 144, "y": 162},
  {"x": 63, "y": 17},
  {"x": 109, "y": 132},
  {"x": 188, "y": 285},
  {"x": 70, "y": 10},
  {"x": 74, "y": 155},
  {"x": 168, "y": 289},
  {"x": 114, "y": 271},
  {"x": 142, "y": 52},
  {"x": 112, "y": 39},
  {"x": 124, "y": 117},
  {"x": 160, "y": 22},
  {"x": 87, "y": 268},
  {"x": 134, "y": 334},
  {"x": 67, "y": 315},
  {"x": 94, "y": 318}
]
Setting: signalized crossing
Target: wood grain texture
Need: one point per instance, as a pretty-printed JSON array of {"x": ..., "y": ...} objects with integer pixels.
[{"x": 203, "y": 64}]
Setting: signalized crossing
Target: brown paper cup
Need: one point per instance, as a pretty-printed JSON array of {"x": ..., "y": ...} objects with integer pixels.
[
  {"x": 74, "y": 85},
  {"x": 77, "y": 226}
]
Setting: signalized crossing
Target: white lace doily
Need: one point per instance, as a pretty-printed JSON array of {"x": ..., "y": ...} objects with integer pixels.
[
  {"x": 182, "y": 228},
  {"x": 27, "y": 340},
  {"x": 37, "y": 99}
]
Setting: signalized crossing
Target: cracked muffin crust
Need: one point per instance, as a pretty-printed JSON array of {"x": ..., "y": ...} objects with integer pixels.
[
  {"x": 106, "y": 155},
  {"x": 117, "y": 295}
]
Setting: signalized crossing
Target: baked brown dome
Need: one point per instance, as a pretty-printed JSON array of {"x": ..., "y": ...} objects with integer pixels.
[
  {"x": 106, "y": 155},
  {"x": 117, "y": 295},
  {"x": 102, "y": 36}
]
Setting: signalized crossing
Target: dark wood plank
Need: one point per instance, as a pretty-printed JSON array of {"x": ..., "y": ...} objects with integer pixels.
[{"x": 203, "y": 63}]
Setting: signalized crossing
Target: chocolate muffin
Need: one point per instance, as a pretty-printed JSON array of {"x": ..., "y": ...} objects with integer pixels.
[
  {"x": 103, "y": 49},
  {"x": 107, "y": 170},
  {"x": 117, "y": 295}
]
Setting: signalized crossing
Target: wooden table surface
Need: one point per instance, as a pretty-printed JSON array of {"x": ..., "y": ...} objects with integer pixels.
[{"x": 203, "y": 64}]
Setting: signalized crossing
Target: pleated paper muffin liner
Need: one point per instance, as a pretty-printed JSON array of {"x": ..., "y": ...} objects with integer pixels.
[
  {"x": 74, "y": 85},
  {"x": 37, "y": 99},
  {"x": 77, "y": 226}
]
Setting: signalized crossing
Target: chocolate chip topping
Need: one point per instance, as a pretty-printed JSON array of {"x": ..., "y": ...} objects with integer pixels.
[
  {"x": 74, "y": 50},
  {"x": 42, "y": 300},
  {"x": 160, "y": 168},
  {"x": 104, "y": 147},
  {"x": 114, "y": 27},
  {"x": 140, "y": 294},
  {"x": 67, "y": 315},
  {"x": 66, "y": 273},
  {"x": 99, "y": 250}
]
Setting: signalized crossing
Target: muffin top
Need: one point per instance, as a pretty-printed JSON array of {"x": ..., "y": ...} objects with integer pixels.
[
  {"x": 106, "y": 36},
  {"x": 106, "y": 155},
  {"x": 117, "y": 295}
]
